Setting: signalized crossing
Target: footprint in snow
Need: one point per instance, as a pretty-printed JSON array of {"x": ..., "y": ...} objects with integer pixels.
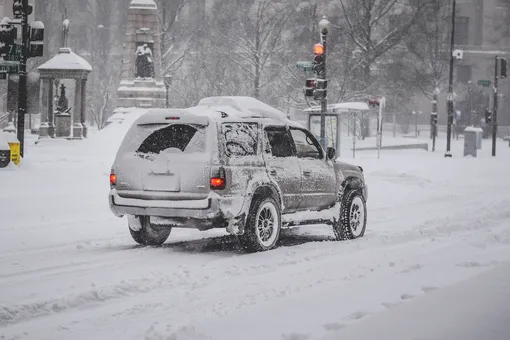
[
  {"x": 357, "y": 315},
  {"x": 428, "y": 289},
  {"x": 412, "y": 268},
  {"x": 295, "y": 336},
  {"x": 470, "y": 264},
  {"x": 333, "y": 326},
  {"x": 390, "y": 304},
  {"x": 407, "y": 297}
]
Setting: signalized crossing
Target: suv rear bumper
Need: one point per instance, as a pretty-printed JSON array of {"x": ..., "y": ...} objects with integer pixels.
[{"x": 213, "y": 211}]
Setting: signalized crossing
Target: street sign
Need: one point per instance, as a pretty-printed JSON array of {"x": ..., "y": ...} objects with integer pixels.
[
  {"x": 14, "y": 54},
  {"x": 484, "y": 83},
  {"x": 449, "y": 96},
  {"x": 305, "y": 65},
  {"x": 9, "y": 68}
]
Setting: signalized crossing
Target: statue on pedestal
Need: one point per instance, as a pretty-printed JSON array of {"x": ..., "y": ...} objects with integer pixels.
[
  {"x": 144, "y": 62},
  {"x": 63, "y": 102}
]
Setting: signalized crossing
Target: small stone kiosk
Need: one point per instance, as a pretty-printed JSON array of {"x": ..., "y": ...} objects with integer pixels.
[
  {"x": 58, "y": 118},
  {"x": 141, "y": 83}
]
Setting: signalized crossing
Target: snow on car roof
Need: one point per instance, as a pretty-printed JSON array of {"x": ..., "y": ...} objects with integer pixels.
[
  {"x": 217, "y": 109},
  {"x": 244, "y": 107}
]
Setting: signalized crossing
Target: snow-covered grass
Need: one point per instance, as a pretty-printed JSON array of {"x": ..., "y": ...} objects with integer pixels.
[{"x": 69, "y": 269}]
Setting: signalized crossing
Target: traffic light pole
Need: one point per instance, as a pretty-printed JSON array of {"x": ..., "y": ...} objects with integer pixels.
[
  {"x": 22, "y": 89},
  {"x": 324, "y": 99},
  {"x": 495, "y": 109},
  {"x": 433, "y": 117},
  {"x": 450, "y": 89}
]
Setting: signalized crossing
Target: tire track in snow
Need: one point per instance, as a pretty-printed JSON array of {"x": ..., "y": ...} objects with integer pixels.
[{"x": 183, "y": 280}]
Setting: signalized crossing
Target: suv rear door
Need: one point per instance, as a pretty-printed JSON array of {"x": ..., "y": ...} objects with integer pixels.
[
  {"x": 165, "y": 161},
  {"x": 282, "y": 165},
  {"x": 318, "y": 184}
]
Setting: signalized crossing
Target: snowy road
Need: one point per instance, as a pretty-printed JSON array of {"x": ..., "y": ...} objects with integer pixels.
[{"x": 69, "y": 269}]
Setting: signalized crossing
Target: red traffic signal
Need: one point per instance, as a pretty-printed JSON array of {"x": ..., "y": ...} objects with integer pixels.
[
  {"x": 318, "y": 49},
  {"x": 373, "y": 102},
  {"x": 310, "y": 83}
]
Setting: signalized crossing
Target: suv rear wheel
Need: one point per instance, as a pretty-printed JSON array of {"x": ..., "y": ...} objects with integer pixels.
[
  {"x": 147, "y": 234},
  {"x": 353, "y": 216},
  {"x": 263, "y": 225}
]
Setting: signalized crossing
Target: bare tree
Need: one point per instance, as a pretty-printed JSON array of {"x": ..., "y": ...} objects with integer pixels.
[
  {"x": 100, "y": 100},
  {"x": 375, "y": 27},
  {"x": 253, "y": 39},
  {"x": 428, "y": 44}
]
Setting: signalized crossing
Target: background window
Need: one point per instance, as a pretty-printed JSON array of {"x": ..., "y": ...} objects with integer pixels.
[{"x": 462, "y": 31}]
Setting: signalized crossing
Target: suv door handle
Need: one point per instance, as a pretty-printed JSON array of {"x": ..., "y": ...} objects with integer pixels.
[
  {"x": 307, "y": 173},
  {"x": 272, "y": 172}
]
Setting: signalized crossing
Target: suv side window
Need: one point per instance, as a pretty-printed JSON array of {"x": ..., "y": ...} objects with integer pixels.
[
  {"x": 306, "y": 144},
  {"x": 280, "y": 141},
  {"x": 241, "y": 139}
]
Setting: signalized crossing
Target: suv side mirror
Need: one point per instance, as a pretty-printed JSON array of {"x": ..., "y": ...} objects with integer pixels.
[{"x": 331, "y": 153}]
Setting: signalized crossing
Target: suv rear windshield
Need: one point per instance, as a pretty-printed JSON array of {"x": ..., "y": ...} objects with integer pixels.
[
  {"x": 241, "y": 139},
  {"x": 175, "y": 138}
]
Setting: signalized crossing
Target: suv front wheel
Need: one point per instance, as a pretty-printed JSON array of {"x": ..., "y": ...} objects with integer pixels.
[
  {"x": 147, "y": 234},
  {"x": 263, "y": 225},
  {"x": 353, "y": 216}
]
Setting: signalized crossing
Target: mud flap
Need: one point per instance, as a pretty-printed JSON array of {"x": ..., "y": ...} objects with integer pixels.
[{"x": 236, "y": 225}]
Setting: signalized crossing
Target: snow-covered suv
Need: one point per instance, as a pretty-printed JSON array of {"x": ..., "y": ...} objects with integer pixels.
[{"x": 234, "y": 163}]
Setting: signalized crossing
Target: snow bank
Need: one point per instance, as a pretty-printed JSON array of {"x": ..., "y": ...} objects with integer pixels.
[{"x": 478, "y": 308}]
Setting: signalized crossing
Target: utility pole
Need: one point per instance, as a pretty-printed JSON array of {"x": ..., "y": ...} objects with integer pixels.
[
  {"x": 22, "y": 90},
  {"x": 500, "y": 71},
  {"x": 450, "y": 89}
]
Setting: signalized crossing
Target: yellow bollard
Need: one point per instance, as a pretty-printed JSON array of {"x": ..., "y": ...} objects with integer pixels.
[{"x": 15, "y": 152}]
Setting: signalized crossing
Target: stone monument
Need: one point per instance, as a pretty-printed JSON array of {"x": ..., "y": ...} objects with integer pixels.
[
  {"x": 141, "y": 82},
  {"x": 60, "y": 119}
]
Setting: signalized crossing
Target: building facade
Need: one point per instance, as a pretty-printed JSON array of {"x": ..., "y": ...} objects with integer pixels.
[{"x": 482, "y": 32}]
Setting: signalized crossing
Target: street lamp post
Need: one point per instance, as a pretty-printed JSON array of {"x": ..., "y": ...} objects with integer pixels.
[
  {"x": 433, "y": 118},
  {"x": 450, "y": 89},
  {"x": 324, "y": 27},
  {"x": 168, "y": 81}
]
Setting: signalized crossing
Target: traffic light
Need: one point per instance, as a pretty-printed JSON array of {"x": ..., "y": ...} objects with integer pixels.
[
  {"x": 488, "y": 116},
  {"x": 36, "y": 39},
  {"x": 309, "y": 87},
  {"x": 19, "y": 11},
  {"x": 8, "y": 34},
  {"x": 320, "y": 91},
  {"x": 502, "y": 67},
  {"x": 433, "y": 119},
  {"x": 318, "y": 60},
  {"x": 373, "y": 103}
]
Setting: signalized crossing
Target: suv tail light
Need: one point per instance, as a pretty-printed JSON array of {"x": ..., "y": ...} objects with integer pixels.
[
  {"x": 113, "y": 179},
  {"x": 218, "y": 179}
]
